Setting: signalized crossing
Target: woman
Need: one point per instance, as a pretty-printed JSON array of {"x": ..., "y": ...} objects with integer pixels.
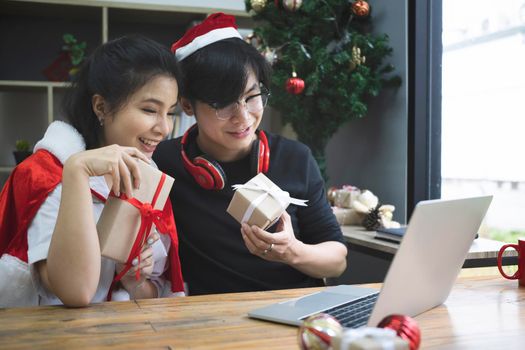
[
  {"x": 119, "y": 108},
  {"x": 225, "y": 89}
]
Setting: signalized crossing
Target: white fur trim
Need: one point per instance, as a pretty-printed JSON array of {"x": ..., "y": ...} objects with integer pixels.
[
  {"x": 62, "y": 140},
  {"x": 206, "y": 39}
]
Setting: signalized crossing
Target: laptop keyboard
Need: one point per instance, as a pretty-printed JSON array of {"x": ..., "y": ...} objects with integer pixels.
[{"x": 354, "y": 313}]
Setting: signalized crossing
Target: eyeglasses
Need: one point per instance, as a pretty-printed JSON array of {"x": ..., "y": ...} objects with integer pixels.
[{"x": 253, "y": 104}]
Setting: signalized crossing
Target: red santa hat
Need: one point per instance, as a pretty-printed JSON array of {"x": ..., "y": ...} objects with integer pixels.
[{"x": 215, "y": 27}]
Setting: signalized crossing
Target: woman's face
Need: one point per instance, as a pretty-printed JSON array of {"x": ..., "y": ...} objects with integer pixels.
[
  {"x": 230, "y": 139},
  {"x": 146, "y": 118}
]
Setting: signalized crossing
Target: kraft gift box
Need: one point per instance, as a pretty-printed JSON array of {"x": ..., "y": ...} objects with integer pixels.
[
  {"x": 120, "y": 221},
  {"x": 260, "y": 202},
  {"x": 346, "y": 216}
]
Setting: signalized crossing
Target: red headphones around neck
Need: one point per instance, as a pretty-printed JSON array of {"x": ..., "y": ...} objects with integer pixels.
[{"x": 208, "y": 173}]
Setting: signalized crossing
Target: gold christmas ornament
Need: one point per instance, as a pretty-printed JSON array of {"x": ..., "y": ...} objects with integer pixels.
[
  {"x": 258, "y": 5},
  {"x": 356, "y": 59},
  {"x": 292, "y": 5}
]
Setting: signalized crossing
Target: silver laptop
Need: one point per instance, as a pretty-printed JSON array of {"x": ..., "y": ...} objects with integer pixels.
[{"x": 425, "y": 267}]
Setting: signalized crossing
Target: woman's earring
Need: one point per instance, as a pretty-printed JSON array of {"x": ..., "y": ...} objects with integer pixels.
[{"x": 101, "y": 121}]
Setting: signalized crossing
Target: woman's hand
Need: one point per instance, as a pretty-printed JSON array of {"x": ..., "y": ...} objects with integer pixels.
[
  {"x": 146, "y": 261},
  {"x": 117, "y": 162},
  {"x": 129, "y": 281},
  {"x": 279, "y": 246}
]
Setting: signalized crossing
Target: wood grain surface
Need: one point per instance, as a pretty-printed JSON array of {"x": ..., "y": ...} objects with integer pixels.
[{"x": 481, "y": 313}]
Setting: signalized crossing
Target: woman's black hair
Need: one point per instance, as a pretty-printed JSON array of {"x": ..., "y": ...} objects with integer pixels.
[
  {"x": 218, "y": 73},
  {"x": 115, "y": 71}
]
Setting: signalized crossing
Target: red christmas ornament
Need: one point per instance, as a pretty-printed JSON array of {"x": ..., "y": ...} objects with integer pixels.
[
  {"x": 405, "y": 327},
  {"x": 294, "y": 85},
  {"x": 361, "y": 8}
]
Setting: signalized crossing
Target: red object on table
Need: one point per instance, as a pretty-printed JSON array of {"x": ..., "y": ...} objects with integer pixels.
[{"x": 406, "y": 327}]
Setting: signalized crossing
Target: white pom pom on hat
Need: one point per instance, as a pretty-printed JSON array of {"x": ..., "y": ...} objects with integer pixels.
[{"x": 216, "y": 27}]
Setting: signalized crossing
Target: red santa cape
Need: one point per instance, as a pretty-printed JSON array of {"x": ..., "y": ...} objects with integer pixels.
[
  {"x": 24, "y": 192},
  {"x": 28, "y": 187}
]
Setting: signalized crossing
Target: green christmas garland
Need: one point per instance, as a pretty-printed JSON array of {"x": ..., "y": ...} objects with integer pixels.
[{"x": 329, "y": 45}]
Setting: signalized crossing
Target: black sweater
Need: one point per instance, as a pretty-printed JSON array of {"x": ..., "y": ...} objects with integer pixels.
[{"x": 213, "y": 255}]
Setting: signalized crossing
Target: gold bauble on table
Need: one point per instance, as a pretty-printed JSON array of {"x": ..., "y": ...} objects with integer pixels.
[{"x": 318, "y": 331}]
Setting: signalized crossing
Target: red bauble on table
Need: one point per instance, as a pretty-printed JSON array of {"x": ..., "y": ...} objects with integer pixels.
[
  {"x": 294, "y": 85},
  {"x": 361, "y": 8},
  {"x": 406, "y": 327}
]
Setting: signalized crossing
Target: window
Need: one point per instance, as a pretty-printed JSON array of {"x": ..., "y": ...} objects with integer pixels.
[{"x": 483, "y": 109}]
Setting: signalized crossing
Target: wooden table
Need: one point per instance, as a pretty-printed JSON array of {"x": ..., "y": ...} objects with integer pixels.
[
  {"x": 480, "y": 313},
  {"x": 482, "y": 253}
]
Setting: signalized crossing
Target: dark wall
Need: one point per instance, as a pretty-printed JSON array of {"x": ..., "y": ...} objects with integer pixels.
[
  {"x": 31, "y": 33},
  {"x": 371, "y": 152}
]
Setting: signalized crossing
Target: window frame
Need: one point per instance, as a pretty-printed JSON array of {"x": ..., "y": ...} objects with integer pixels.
[{"x": 425, "y": 51}]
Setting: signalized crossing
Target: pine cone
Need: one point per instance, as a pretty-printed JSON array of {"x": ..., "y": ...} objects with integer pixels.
[{"x": 372, "y": 220}]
